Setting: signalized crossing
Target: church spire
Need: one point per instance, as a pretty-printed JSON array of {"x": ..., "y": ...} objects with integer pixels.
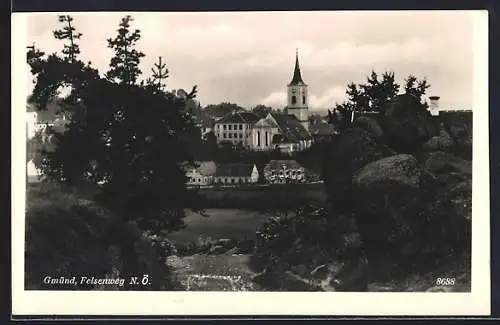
[{"x": 297, "y": 78}]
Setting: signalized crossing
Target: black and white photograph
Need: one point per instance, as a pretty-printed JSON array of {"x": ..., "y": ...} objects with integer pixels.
[{"x": 264, "y": 152}]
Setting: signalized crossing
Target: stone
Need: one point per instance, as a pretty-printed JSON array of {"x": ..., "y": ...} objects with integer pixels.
[
  {"x": 442, "y": 162},
  {"x": 352, "y": 150}
]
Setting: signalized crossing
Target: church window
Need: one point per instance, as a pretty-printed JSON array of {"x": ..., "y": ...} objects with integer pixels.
[{"x": 294, "y": 100}]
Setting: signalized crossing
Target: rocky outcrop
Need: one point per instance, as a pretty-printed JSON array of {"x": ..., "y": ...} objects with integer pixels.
[{"x": 353, "y": 149}]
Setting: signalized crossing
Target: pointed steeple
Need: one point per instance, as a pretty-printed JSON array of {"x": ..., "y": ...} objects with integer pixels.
[{"x": 297, "y": 78}]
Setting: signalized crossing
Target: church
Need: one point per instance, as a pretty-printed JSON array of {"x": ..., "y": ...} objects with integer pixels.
[{"x": 288, "y": 131}]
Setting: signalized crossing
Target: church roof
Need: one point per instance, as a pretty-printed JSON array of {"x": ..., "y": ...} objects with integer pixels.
[
  {"x": 292, "y": 131},
  {"x": 239, "y": 117},
  {"x": 297, "y": 77}
]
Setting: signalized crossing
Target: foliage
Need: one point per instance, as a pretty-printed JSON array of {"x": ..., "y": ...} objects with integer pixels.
[
  {"x": 124, "y": 66},
  {"x": 309, "y": 236},
  {"x": 68, "y": 235},
  {"x": 221, "y": 109},
  {"x": 128, "y": 142},
  {"x": 262, "y": 110},
  {"x": 374, "y": 95},
  {"x": 68, "y": 32}
]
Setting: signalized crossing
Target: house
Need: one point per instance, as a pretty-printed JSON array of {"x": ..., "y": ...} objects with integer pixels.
[
  {"x": 236, "y": 128},
  {"x": 38, "y": 120},
  {"x": 201, "y": 174},
  {"x": 284, "y": 171},
  {"x": 236, "y": 173}
]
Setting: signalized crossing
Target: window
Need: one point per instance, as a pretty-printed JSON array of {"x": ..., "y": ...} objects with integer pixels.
[
  {"x": 225, "y": 126},
  {"x": 230, "y": 135},
  {"x": 229, "y": 127},
  {"x": 241, "y": 136},
  {"x": 303, "y": 99},
  {"x": 235, "y": 135},
  {"x": 258, "y": 138},
  {"x": 267, "y": 141},
  {"x": 224, "y": 136},
  {"x": 294, "y": 100}
]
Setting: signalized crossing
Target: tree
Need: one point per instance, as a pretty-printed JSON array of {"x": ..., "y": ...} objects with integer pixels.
[
  {"x": 68, "y": 32},
  {"x": 222, "y": 109},
  {"x": 262, "y": 110},
  {"x": 160, "y": 74},
  {"x": 375, "y": 95},
  {"x": 128, "y": 144},
  {"x": 124, "y": 66}
]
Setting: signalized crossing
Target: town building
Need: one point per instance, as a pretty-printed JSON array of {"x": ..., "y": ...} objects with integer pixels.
[
  {"x": 287, "y": 132},
  {"x": 236, "y": 173},
  {"x": 297, "y": 96},
  {"x": 236, "y": 128},
  {"x": 284, "y": 171},
  {"x": 201, "y": 174}
]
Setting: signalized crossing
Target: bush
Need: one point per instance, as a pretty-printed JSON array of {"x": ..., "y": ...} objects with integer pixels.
[
  {"x": 69, "y": 236},
  {"x": 66, "y": 236},
  {"x": 309, "y": 237}
]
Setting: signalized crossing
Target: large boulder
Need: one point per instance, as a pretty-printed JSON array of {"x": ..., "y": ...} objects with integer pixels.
[
  {"x": 407, "y": 123},
  {"x": 352, "y": 150},
  {"x": 443, "y": 142},
  {"x": 398, "y": 214},
  {"x": 442, "y": 162}
]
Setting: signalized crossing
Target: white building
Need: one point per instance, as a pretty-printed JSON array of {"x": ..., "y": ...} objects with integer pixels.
[
  {"x": 202, "y": 174},
  {"x": 236, "y": 173}
]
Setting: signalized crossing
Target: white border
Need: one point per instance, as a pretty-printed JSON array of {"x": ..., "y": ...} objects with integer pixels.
[{"x": 251, "y": 303}]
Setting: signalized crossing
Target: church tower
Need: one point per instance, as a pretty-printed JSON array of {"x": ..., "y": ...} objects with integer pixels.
[{"x": 297, "y": 102}]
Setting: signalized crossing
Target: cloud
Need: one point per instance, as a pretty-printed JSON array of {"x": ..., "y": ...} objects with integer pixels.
[
  {"x": 328, "y": 98},
  {"x": 248, "y": 58},
  {"x": 276, "y": 99}
]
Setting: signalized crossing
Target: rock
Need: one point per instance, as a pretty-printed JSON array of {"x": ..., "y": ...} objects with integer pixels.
[
  {"x": 442, "y": 162},
  {"x": 406, "y": 123},
  {"x": 400, "y": 169},
  {"x": 352, "y": 150},
  {"x": 217, "y": 249},
  {"x": 460, "y": 196},
  {"x": 395, "y": 211},
  {"x": 443, "y": 141},
  {"x": 369, "y": 124}
]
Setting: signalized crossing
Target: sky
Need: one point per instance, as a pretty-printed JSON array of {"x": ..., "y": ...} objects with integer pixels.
[{"x": 248, "y": 57}]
